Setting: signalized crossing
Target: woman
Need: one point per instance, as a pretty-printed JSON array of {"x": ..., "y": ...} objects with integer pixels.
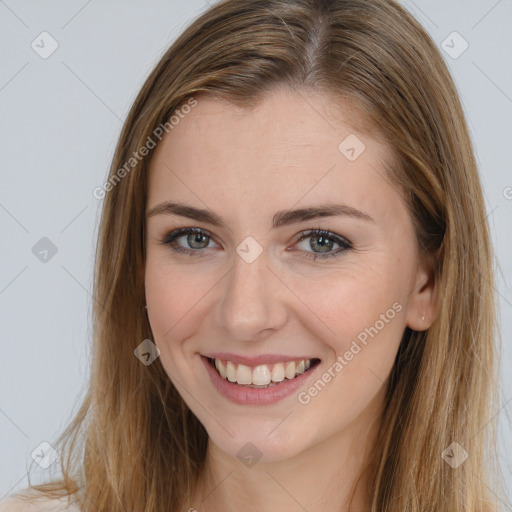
[{"x": 294, "y": 302}]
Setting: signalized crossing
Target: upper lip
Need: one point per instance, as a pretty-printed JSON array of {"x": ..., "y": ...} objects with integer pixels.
[{"x": 256, "y": 360}]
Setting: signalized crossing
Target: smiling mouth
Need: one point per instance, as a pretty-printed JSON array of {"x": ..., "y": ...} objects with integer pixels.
[{"x": 262, "y": 376}]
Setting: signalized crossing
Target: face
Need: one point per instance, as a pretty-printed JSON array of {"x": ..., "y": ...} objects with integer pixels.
[{"x": 261, "y": 287}]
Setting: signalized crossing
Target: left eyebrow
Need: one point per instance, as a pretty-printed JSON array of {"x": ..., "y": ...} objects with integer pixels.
[
  {"x": 281, "y": 218},
  {"x": 285, "y": 217}
]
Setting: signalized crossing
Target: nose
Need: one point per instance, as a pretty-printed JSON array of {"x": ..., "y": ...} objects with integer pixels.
[{"x": 253, "y": 300}]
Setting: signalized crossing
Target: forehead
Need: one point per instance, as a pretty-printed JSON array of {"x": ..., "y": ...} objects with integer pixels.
[
  {"x": 291, "y": 147},
  {"x": 283, "y": 119}
]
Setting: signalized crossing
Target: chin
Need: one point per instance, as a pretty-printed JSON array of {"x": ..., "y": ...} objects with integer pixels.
[{"x": 261, "y": 441}]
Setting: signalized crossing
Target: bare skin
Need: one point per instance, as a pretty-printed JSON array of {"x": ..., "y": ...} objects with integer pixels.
[{"x": 245, "y": 165}]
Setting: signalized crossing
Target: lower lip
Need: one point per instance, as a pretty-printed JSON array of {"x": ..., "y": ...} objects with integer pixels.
[{"x": 253, "y": 396}]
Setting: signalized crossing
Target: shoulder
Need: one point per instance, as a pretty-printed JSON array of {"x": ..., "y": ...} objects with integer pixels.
[{"x": 34, "y": 503}]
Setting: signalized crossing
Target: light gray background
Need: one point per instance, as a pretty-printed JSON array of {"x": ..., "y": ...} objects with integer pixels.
[{"x": 60, "y": 118}]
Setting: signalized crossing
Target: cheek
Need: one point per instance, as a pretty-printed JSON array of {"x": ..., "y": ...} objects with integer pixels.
[
  {"x": 360, "y": 311},
  {"x": 174, "y": 296},
  {"x": 367, "y": 318},
  {"x": 348, "y": 299}
]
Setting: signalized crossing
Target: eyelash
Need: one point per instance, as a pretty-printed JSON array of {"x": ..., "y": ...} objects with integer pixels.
[{"x": 170, "y": 237}]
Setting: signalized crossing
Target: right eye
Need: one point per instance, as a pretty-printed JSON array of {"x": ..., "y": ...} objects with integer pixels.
[{"x": 196, "y": 239}]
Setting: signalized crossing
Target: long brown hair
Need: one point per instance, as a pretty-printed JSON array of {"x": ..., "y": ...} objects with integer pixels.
[{"x": 134, "y": 444}]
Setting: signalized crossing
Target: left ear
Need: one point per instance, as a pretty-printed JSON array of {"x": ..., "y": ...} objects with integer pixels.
[{"x": 422, "y": 308}]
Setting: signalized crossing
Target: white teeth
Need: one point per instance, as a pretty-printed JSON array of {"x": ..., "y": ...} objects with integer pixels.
[
  {"x": 261, "y": 375},
  {"x": 278, "y": 373},
  {"x": 289, "y": 370},
  {"x": 243, "y": 374},
  {"x": 222, "y": 369},
  {"x": 230, "y": 371}
]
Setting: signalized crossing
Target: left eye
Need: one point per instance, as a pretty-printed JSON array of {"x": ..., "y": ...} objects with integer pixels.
[
  {"x": 320, "y": 240},
  {"x": 324, "y": 241}
]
